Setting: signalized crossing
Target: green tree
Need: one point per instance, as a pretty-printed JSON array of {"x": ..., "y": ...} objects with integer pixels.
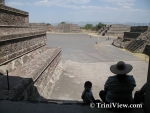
[
  {"x": 99, "y": 26},
  {"x": 48, "y": 24},
  {"x": 88, "y": 26},
  {"x": 63, "y": 22}
]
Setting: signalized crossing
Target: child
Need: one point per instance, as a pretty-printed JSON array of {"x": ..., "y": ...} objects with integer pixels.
[{"x": 87, "y": 94}]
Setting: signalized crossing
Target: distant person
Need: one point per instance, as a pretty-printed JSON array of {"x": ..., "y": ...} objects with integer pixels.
[
  {"x": 90, "y": 36},
  {"x": 118, "y": 88},
  {"x": 108, "y": 38},
  {"x": 139, "y": 96}
]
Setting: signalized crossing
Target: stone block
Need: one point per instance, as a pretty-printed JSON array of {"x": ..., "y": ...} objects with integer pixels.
[
  {"x": 13, "y": 17},
  {"x": 139, "y": 28},
  {"x": 132, "y": 35}
]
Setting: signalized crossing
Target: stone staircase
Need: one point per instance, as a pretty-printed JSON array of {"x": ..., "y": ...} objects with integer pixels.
[
  {"x": 117, "y": 30},
  {"x": 134, "y": 45},
  {"x": 30, "y": 63},
  {"x": 66, "y": 28},
  {"x": 104, "y": 30},
  {"x": 135, "y": 40}
]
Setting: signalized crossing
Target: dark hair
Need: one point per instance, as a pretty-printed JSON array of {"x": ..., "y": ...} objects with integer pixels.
[{"x": 87, "y": 84}]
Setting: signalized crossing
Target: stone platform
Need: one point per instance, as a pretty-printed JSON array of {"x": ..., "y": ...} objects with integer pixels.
[
  {"x": 135, "y": 40},
  {"x": 30, "y": 63},
  {"x": 114, "y": 30},
  {"x": 67, "y": 28}
]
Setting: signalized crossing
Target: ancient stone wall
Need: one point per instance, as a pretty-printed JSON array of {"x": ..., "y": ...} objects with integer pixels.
[
  {"x": 67, "y": 28},
  {"x": 117, "y": 30},
  {"x": 135, "y": 40},
  {"x": 17, "y": 47},
  {"x": 131, "y": 35},
  {"x": 25, "y": 55},
  {"x": 38, "y": 26},
  {"x": 44, "y": 79},
  {"x": 139, "y": 28},
  {"x": 13, "y": 17},
  {"x": 2, "y": 2},
  {"x": 74, "y": 28}
]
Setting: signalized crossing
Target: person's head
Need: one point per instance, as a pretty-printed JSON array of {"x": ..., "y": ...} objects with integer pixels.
[
  {"x": 121, "y": 68},
  {"x": 88, "y": 85}
]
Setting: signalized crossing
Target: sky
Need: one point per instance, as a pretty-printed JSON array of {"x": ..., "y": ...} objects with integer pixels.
[{"x": 56, "y": 11}]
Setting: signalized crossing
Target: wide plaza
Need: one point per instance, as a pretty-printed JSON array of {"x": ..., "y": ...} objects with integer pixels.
[{"x": 85, "y": 60}]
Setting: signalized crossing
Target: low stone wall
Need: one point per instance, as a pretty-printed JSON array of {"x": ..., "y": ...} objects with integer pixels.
[
  {"x": 136, "y": 40},
  {"x": 38, "y": 26},
  {"x": 131, "y": 35},
  {"x": 13, "y": 17},
  {"x": 17, "y": 47},
  {"x": 20, "y": 61},
  {"x": 115, "y": 33},
  {"x": 41, "y": 79},
  {"x": 139, "y": 28},
  {"x": 67, "y": 28},
  {"x": 117, "y": 30},
  {"x": 46, "y": 81},
  {"x": 29, "y": 81}
]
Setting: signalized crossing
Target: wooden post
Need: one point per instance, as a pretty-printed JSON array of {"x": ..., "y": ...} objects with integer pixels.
[{"x": 7, "y": 79}]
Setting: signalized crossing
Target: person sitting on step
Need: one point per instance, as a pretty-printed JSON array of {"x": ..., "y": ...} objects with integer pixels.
[{"x": 118, "y": 88}]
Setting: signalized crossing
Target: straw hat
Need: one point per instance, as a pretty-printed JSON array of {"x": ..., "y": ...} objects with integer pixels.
[{"x": 121, "y": 68}]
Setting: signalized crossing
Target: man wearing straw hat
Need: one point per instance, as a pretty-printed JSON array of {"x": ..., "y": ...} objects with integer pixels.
[{"x": 118, "y": 88}]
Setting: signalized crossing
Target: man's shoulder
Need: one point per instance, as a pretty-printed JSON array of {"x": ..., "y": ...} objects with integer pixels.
[
  {"x": 130, "y": 76},
  {"x": 112, "y": 77}
]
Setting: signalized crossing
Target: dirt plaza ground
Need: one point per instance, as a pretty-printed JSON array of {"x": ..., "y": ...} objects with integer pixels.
[{"x": 84, "y": 60}]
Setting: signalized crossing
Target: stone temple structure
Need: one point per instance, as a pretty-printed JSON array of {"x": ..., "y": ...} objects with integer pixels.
[
  {"x": 2, "y": 2},
  {"x": 135, "y": 40},
  {"x": 114, "y": 30},
  {"x": 67, "y": 28},
  {"x": 25, "y": 57}
]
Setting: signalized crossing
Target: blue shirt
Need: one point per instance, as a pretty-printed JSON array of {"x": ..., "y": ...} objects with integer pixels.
[
  {"x": 87, "y": 96},
  {"x": 118, "y": 91}
]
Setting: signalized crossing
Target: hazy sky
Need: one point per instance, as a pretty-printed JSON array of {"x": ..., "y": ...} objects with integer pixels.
[{"x": 53, "y": 11}]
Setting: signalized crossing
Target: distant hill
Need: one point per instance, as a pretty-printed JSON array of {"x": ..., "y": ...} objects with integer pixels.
[{"x": 82, "y": 23}]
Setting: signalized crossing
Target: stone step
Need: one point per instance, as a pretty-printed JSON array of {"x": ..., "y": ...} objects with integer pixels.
[
  {"x": 30, "y": 72},
  {"x": 5, "y": 31},
  {"x": 137, "y": 45},
  {"x": 13, "y": 17},
  {"x": 131, "y": 35}
]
